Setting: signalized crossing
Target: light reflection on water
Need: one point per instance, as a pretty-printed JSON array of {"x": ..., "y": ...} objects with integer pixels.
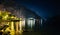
[{"x": 29, "y": 33}]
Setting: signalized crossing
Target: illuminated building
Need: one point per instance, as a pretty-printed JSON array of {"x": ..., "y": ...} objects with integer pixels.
[{"x": 20, "y": 20}]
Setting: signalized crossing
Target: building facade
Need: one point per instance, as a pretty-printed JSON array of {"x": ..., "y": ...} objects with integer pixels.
[{"x": 19, "y": 19}]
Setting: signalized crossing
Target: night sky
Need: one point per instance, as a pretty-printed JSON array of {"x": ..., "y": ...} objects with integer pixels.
[{"x": 44, "y": 8}]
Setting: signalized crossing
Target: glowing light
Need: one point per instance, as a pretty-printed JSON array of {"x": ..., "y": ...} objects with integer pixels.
[
  {"x": 8, "y": 29},
  {"x": 12, "y": 25},
  {"x": 0, "y": 13},
  {"x": 12, "y": 17},
  {"x": 5, "y": 17},
  {"x": 22, "y": 24},
  {"x": 17, "y": 28},
  {"x": 31, "y": 22},
  {"x": 12, "y": 28}
]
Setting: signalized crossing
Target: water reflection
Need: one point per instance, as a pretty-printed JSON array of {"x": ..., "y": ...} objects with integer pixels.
[{"x": 12, "y": 25}]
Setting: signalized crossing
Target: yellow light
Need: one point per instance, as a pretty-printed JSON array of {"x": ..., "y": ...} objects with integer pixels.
[
  {"x": 20, "y": 18},
  {"x": 21, "y": 24},
  {"x": 12, "y": 25},
  {"x": 5, "y": 17},
  {"x": 12, "y": 17},
  {"x": 2, "y": 30},
  {"x": 12, "y": 28},
  {"x": 8, "y": 29},
  {"x": 0, "y": 12},
  {"x": 9, "y": 13}
]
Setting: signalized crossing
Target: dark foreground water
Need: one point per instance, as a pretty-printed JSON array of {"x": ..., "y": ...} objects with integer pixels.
[
  {"x": 31, "y": 33},
  {"x": 26, "y": 33}
]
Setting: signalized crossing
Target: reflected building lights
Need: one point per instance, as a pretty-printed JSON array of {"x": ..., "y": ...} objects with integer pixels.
[
  {"x": 18, "y": 24},
  {"x": 31, "y": 23},
  {"x": 22, "y": 24},
  {"x": 12, "y": 28}
]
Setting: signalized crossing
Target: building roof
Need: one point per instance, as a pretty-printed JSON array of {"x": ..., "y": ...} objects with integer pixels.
[{"x": 20, "y": 11}]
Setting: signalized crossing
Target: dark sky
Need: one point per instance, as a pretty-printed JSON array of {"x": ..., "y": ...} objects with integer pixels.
[{"x": 44, "y": 8}]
